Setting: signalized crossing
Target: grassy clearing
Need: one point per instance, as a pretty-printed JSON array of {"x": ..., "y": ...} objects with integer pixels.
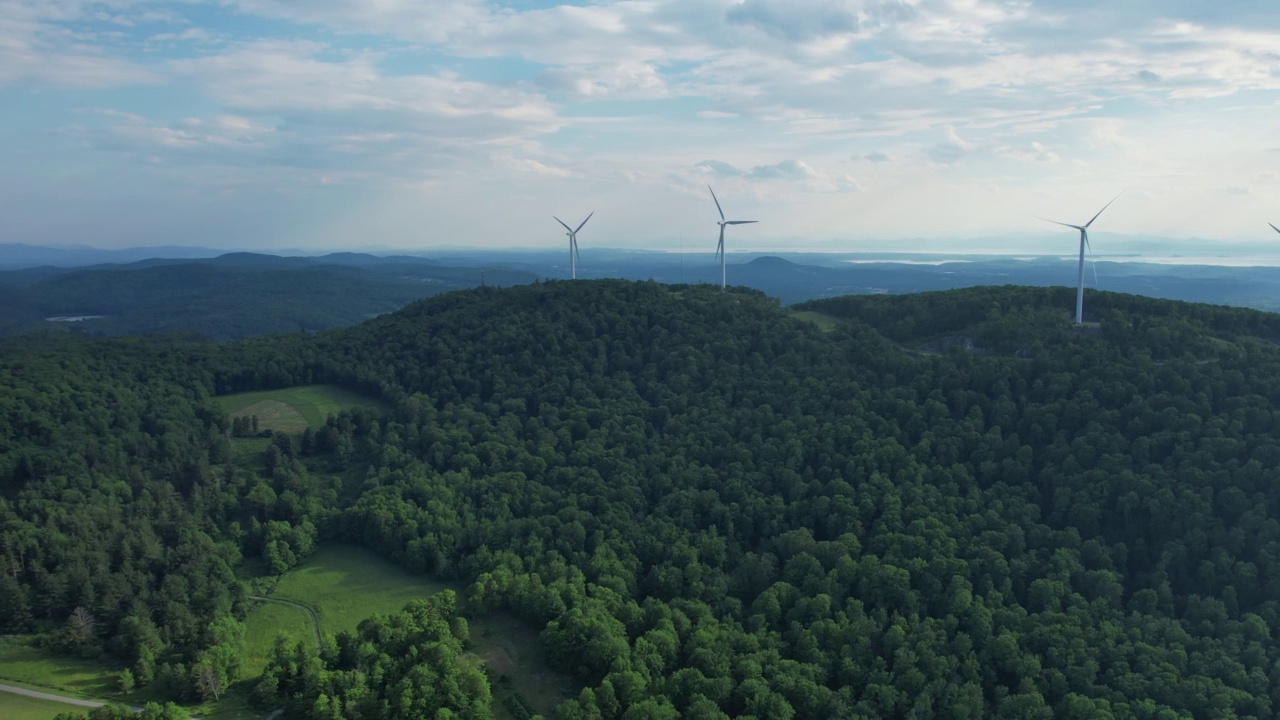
[
  {"x": 264, "y": 624},
  {"x": 21, "y": 663},
  {"x": 825, "y": 323},
  {"x": 345, "y": 584},
  {"x": 293, "y": 410},
  {"x": 509, "y": 649},
  {"x": 18, "y": 707}
]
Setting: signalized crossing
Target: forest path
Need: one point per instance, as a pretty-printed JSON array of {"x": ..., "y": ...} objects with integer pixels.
[{"x": 315, "y": 621}]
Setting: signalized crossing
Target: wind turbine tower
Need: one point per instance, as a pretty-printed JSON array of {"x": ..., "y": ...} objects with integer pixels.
[
  {"x": 1084, "y": 243},
  {"x": 573, "y": 244},
  {"x": 722, "y": 223}
]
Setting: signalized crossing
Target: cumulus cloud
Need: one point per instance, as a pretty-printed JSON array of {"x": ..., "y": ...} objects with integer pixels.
[
  {"x": 723, "y": 169},
  {"x": 785, "y": 170},
  {"x": 876, "y": 157}
]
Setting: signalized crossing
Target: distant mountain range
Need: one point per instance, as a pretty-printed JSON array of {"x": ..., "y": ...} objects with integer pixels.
[
  {"x": 229, "y": 296},
  {"x": 242, "y": 293}
]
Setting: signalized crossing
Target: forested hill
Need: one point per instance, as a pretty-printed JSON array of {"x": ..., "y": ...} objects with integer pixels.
[
  {"x": 951, "y": 505},
  {"x": 232, "y": 296}
]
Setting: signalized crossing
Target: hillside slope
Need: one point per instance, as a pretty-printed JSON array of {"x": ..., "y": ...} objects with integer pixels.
[
  {"x": 709, "y": 504},
  {"x": 711, "y": 508}
]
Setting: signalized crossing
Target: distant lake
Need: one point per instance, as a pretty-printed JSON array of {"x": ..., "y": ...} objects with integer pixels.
[
  {"x": 74, "y": 318},
  {"x": 907, "y": 262},
  {"x": 1218, "y": 260}
]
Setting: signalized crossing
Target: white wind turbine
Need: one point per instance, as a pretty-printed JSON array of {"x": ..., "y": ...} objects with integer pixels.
[
  {"x": 722, "y": 223},
  {"x": 573, "y": 244},
  {"x": 1084, "y": 243}
]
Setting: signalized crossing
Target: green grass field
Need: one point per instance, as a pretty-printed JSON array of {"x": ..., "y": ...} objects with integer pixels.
[
  {"x": 17, "y": 707},
  {"x": 825, "y": 323},
  {"x": 344, "y": 584},
  {"x": 261, "y": 628},
  {"x": 293, "y": 410},
  {"x": 23, "y": 664}
]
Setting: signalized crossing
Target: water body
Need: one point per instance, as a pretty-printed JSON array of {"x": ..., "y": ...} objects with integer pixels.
[
  {"x": 895, "y": 261},
  {"x": 74, "y": 318}
]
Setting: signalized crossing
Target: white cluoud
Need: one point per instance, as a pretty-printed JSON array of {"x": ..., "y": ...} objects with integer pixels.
[
  {"x": 1084, "y": 243},
  {"x": 722, "y": 223},
  {"x": 573, "y": 244}
]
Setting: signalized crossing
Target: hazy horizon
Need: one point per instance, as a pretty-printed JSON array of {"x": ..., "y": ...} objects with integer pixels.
[{"x": 1141, "y": 250}]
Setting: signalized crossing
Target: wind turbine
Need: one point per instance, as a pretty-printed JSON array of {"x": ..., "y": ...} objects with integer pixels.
[
  {"x": 1084, "y": 243},
  {"x": 722, "y": 223},
  {"x": 573, "y": 244}
]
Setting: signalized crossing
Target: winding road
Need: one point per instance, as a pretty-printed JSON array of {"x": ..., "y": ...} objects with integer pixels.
[{"x": 50, "y": 696}]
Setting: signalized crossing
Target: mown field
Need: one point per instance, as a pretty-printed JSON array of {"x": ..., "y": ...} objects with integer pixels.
[
  {"x": 342, "y": 584},
  {"x": 294, "y": 409},
  {"x": 345, "y": 584},
  {"x": 19, "y": 707},
  {"x": 21, "y": 663}
]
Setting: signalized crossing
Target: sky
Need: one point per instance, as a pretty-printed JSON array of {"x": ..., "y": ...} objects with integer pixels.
[{"x": 838, "y": 124}]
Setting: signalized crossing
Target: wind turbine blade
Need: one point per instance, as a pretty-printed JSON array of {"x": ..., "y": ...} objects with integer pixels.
[
  {"x": 566, "y": 227},
  {"x": 713, "y": 197},
  {"x": 740, "y": 222},
  {"x": 1104, "y": 208},
  {"x": 584, "y": 222},
  {"x": 720, "y": 245},
  {"x": 579, "y": 257},
  {"x": 1273, "y": 227},
  {"x": 1055, "y": 222}
]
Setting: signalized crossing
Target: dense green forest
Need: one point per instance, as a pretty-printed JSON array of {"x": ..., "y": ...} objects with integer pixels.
[
  {"x": 951, "y": 505},
  {"x": 234, "y": 296}
]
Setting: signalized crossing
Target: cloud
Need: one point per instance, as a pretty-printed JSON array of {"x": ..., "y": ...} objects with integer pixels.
[
  {"x": 950, "y": 151},
  {"x": 797, "y": 23},
  {"x": 785, "y": 170},
  {"x": 968, "y": 96},
  {"x": 624, "y": 81},
  {"x": 297, "y": 79},
  {"x": 1035, "y": 152},
  {"x": 791, "y": 172},
  {"x": 37, "y": 49},
  {"x": 722, "y": 169}
]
